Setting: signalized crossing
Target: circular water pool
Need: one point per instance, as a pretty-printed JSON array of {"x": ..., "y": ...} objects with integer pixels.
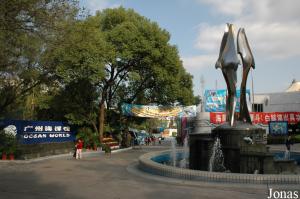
[{"x": 156, "y": 163}]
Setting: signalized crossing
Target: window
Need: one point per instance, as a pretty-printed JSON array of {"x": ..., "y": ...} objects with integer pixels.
[{"x": 257, "y": 107}]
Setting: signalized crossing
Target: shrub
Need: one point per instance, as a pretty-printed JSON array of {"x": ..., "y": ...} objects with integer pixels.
[
  {"x": 9, "y": 143},
  {"x": 89, "y": 138}
]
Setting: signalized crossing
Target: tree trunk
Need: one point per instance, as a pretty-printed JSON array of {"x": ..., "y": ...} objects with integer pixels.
[
  {"x": 95, "y": 127},
  {"x": 101, "y": 120}
]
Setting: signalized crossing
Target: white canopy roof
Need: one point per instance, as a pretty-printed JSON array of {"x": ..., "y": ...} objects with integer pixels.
[{"x": 294, "y": 87}]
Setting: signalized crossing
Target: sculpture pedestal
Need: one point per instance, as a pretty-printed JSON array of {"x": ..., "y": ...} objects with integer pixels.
[
  {"x": 200, "y": 150},
  {"x": 244, "y": 148}
]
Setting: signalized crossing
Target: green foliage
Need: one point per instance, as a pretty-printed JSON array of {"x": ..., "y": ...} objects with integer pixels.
[
  {"x": 8, "y": 143},
  {"x": 76, "y": 102},
  {"x": 296, "y": 138},
  {"x": 153, "y": 72},
  {"x": 89, "y": 138},
  {"x": 27, "y": 28},
  {"x": 106, "y": 148},
  {"x": 58, "y": 67},
  {"x": 79, "y": 53}
]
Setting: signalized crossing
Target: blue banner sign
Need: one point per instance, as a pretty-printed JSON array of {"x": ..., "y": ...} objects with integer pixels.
[
  {"x": 215, "y": 100},
  {"x": 33, "y": 132},
  {"x": 278, "y": 128}
]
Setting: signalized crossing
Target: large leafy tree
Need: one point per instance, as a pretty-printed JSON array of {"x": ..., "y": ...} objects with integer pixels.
[
  {"x": 26, "y": 28},
  {"x": 126, "y": 56},
  {"x": 141, "y": 61}
]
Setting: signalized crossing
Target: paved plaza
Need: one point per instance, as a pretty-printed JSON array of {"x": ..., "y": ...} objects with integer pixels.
[{"x": 111, "y": 177}]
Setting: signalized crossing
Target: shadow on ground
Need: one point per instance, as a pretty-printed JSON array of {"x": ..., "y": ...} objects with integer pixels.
[{"x": 19, "y": 183}]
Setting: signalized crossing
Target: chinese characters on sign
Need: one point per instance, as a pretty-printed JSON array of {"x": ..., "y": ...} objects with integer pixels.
[
  {"x": 260, "y": 118},
  {"x": 31, "y": 132}
]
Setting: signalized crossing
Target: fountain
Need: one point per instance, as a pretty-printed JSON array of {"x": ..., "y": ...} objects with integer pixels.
[
  {"x": 237, "y": 146},
  {"x": 243, "y": 144},
  {"x": 287, "y": 155},
  {"x": 216, "y": 161}
]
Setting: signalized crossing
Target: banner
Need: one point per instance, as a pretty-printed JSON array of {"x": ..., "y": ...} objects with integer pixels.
[
  {"x": 158, "y": 111},
  {"x": 33, "y": 132},
  {"x": 215, "y": 100},
  {"x": 260, "y": 117}
]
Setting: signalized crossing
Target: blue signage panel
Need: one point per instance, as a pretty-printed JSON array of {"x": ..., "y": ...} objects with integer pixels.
[
  {"x": 215, "y": 100},
  {"x": 278, "y": 128},
  {"x": 33, "y": 132}
]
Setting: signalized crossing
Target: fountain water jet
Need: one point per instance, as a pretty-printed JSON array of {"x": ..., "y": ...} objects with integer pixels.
[
  {"x": 173, "y": 152},
  {"x": 216, "y": 161},
  {"x": 184, "y": 162}
]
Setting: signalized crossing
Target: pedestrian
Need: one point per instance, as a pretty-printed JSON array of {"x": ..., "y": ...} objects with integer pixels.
[
  {"x": 288, "y": 144},
  {"x": 75, "y": 149},
  {"x": 79, "y": 146},
  {"x": 153, "y": 140}
]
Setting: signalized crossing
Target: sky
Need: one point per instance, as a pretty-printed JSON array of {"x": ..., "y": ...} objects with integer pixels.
[{"x": 197, "y": 26}]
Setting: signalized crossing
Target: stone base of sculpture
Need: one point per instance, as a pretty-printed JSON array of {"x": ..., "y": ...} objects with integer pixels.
[
  {"x": 244, "y": 148},
  {"x": 200, "y": 150}
]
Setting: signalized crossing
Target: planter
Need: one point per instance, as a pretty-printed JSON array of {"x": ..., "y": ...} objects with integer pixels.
[
  {"x": 3, "y": 156},
  {"x": 11, "y": 156}
]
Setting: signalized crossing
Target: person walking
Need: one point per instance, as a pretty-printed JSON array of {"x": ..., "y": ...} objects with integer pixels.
[
  {"x": 79, "y": 146},
  {"x": 288, "y": 144}
]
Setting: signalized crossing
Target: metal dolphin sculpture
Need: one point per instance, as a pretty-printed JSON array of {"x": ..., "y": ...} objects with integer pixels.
[
  {"x": 228, "y": 62},
  {"x": 244, "y": 50}
]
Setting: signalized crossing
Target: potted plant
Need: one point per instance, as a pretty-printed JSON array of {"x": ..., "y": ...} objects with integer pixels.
[
  {"x": 3, "y": 155},
  {"x": 9, "y": 144},
  {"x": 11, "y": 152}
]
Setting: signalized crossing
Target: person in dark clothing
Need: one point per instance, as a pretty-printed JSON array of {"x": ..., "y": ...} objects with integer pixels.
[{"x": 288, "y": 143}]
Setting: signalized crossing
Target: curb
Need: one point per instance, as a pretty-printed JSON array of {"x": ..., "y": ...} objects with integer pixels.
[
  {"x": 63, "y": 156},
  {"x": 134, "y": 169}
]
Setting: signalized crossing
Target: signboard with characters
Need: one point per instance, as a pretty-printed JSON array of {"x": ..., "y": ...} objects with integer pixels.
[{"x": 33, "y": 132}]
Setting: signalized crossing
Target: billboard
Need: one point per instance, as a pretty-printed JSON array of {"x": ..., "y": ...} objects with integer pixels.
[
  {"x": 278, "y": 128},
  {"x": 158, "y": 111},
  {"x": 260, "y": 117},
  {"x": 34, "y": 132},
  {"x": 215, "y": 100}
]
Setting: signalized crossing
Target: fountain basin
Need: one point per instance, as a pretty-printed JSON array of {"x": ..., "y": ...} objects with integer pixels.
[
  {"x": 279, "y": 155},
  {"x": 147, "y": 164}
]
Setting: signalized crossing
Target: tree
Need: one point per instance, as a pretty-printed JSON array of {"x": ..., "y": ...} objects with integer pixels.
[
  {"x": 141, "y": 61},
  {"x": 127, "y": 57},
  {"x": 26, "y": 28}
]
